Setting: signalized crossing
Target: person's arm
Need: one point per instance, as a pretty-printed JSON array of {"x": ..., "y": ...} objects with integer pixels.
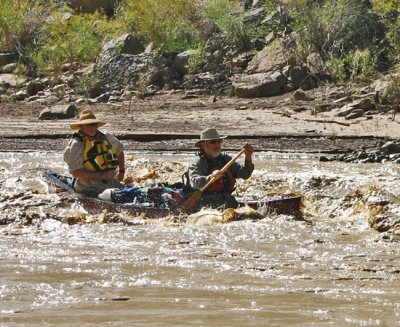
[
  {"x": 245, "y": 171},
  {"x": 198, "y": 174},
  {"x": 121, "y": 166},
  {"x": 120, "y": 154}
]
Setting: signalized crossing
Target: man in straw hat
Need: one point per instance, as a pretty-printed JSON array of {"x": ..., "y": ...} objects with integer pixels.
[
  {"x": 94, "y": 158},
  {"x": 208, "y": 164}
]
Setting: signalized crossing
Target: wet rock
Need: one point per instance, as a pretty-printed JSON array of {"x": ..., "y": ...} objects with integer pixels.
[
  {"x": 76, "y": 218},
  {"x": 209, "y": 217},
  {"x": 241, "y": 213},
  {"x": 59, "y": 112},
  {"x": 381, "y": 218},
  {"x": 109, "y": 217}
]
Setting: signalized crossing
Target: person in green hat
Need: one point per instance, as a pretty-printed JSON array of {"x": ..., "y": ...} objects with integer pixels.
[
  {"x": 208, "y": 164},
  {"x": 94, "y": 158}
]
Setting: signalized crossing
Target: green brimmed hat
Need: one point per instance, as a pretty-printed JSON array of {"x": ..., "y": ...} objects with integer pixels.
[
  {"x": 86, "y": 117},
  {"x": 209, "y": 134}
]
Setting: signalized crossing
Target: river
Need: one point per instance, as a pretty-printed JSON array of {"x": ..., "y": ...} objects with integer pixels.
[{"x": 328, "y": 268}]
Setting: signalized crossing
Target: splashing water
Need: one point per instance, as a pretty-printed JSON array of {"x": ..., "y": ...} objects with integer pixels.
[{"x": 330, "y": 268}]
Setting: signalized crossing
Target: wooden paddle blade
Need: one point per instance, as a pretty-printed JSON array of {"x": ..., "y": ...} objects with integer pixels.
[{"x": 190, "y": 202}]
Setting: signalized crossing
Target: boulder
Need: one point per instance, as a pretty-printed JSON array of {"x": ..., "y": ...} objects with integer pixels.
[
  {"x": 33, "y": 87},
  {"x": 390, "y": 147},
  {"x": 59, "y": 112},
  {"x": 103, "y": 98},
  {"x": 7, "y": 58},
  {"x": 96, "y": 90},
  {"x": 300, "y": 95},
  {"x": 20, "y": 95},
  {"x": 355, "y": 113},
  {"x": 316, "y": 66},
  {"x": 299, "y": 76},
  {"x": 255, "y": 16},
  {"x": 125, "y": 44},
  {"x": 365, "y": 104},
  {"x": 274, "y": 57},
  {"x": 133, "y": 70},
  {"x": 11, "y": 80},
  {"x": 181, "y": 62},
  {"x": 9, "y": 68},
  {"x": 258, "y": 85}
]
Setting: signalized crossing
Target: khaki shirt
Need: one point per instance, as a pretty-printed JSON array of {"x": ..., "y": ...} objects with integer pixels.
[{"x": 74, "y": 159}]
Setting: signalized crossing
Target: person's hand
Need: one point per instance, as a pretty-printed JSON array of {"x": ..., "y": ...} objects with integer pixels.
[
  {"x": 248, "y": 151},
  {"x": 120, "y": 176},
  {"x": 217, "y": 174}
]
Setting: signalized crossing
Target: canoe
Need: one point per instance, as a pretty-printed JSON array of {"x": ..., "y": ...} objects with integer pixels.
[{"x": 279, "y": 204}]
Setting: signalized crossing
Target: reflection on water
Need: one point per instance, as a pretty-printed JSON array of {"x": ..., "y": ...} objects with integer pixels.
[{"x": 329, "y": 269}]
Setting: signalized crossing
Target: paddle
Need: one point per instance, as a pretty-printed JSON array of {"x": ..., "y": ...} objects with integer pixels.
[{"x": 193, "y": 199}]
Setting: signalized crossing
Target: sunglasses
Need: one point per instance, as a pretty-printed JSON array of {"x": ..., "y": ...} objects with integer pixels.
[
  {"x": 92, "y": 124},
  {"x": 215, "y": 141}
]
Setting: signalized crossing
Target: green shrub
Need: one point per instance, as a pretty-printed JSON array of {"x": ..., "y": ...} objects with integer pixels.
[
  {"x": 228, "y": 16},
  {"x": 391, "y": 93},
  {"x": 197, "y": 58},
  {"x": 389, "y": 12},
  {"x": 356, "y": 67},
  {"x": 20, "y": 22},
  {"x": 169, "y": 24},
  {"x": 68, "y": 38},
  {"x": 334, "y": 27}
]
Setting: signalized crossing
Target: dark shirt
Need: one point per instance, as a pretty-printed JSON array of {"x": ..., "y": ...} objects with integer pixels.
[{"x": 199, "y": 171}]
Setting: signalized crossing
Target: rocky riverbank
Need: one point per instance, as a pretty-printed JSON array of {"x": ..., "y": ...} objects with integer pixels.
[{"x": 173, "y": 120}]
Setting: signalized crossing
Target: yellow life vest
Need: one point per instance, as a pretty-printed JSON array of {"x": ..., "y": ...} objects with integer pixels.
[{"x": 98, "y": 153}]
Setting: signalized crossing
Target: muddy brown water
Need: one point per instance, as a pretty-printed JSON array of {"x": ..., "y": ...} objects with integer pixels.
[{"x": 328, "y": 269}]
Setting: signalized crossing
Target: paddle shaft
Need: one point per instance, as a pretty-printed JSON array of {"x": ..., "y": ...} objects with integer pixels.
[
  {"x": 193, "y": 199},
  {"x": 224, "y": 169}
]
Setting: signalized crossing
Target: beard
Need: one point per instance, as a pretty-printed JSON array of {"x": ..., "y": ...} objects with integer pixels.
[{"x": 213, "y": 153}]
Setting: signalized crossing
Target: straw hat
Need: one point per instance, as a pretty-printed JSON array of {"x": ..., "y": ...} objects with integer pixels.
[
  {"x": 209, "y": 134},
  {"x": 86, "y": 117}
]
